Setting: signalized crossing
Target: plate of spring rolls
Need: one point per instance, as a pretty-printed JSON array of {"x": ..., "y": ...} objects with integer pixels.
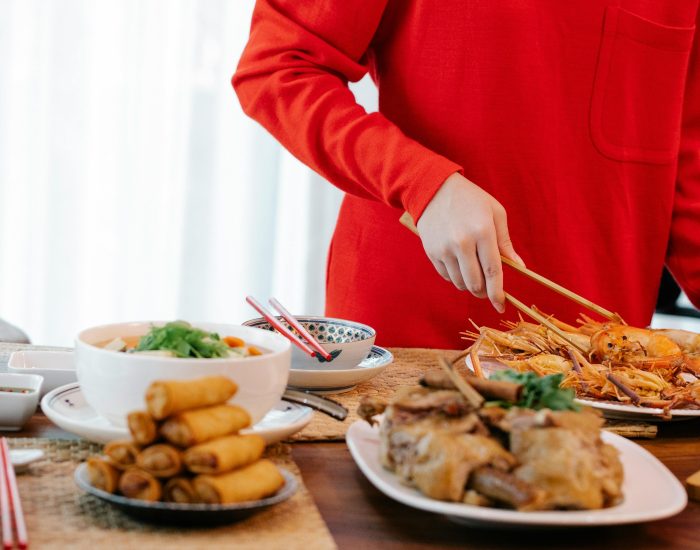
[
  {"x": 186, "y": 460},
  {"x": 67, "y": 408}
]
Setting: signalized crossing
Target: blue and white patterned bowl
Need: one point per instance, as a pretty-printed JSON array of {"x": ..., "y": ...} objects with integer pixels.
[{"x": 351, "y": 342}]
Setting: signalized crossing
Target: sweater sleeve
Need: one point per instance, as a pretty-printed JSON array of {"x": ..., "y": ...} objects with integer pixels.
[
  {"x": 684, "y": 247},
  {"x": 293, "y": 79}
]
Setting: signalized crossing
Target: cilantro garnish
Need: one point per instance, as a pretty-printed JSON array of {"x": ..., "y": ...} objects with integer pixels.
[
  {"x": 183, "y": 340},
  {"x": 539, "y": 392}
]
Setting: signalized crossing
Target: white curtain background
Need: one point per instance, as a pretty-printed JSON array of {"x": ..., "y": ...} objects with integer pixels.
[{"x": 132, "y": 186}]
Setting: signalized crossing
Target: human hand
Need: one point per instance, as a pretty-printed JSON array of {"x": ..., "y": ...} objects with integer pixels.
[{"x": 464, "y": 232}]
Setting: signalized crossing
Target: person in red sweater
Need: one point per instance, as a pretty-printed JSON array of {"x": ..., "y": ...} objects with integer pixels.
[{"x": 580, "y": 119}]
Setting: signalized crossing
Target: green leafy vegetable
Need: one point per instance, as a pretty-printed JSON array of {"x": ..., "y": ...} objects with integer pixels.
[
  {"x": 539, "y": 392},
  {"x": 183, "y": 340}
]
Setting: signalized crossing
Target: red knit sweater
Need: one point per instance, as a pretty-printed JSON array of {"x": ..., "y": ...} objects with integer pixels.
[{"x": 581, "y": 117}]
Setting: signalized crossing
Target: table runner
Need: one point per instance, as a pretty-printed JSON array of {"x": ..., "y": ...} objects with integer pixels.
[
  {"x": 60, "y": 515},
  {"x": 408, "y": 366}
]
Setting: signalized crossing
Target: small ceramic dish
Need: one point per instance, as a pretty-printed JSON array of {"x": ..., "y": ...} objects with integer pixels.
[
  {"x": 22, "y": 458},
  {"x": 19, "y": 397},
  {"x": 349, "y": 341},
  {"x": 57, "y": 367}
]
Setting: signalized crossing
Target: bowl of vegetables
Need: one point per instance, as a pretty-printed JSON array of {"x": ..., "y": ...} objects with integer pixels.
[{"x": 116, "y": 363}]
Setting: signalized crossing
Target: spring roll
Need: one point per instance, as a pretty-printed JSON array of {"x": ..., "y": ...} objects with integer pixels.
[
  {"x": 194, "y": 427},
  {"x": 102, "y": 474},
  {"x": 224, "y": 454},
  {"x": 164, "y": 398},
  {"x": 135, "y": 483},
  {"x": 180, "y": 490},
  {"x": 143, "y": 428},
  {"x": 122, "y": 453},
  {"x": 253, "y": 482},
  {"x": 160, "y": 460}
]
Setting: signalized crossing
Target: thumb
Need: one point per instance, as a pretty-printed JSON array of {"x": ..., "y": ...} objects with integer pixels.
[{"x": 505, "y": 244}]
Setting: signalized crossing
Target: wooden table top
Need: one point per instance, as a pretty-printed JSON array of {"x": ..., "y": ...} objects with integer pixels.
[{"x": 359, "y": 516}]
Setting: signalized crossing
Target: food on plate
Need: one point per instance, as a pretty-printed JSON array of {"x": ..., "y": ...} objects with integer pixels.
[
  {"x": 605, "y": 361},
  {"x": 165, "y": 398},
  {"x": 224, "y": 454},
  {"x": 181, "y": 339},
  {"x": 199, "y": 425},
  {"x": 180, "y": 490},
  {"x": 139, "y": 484},
  {"x": 121, "y": 453},
  {"x": 142, "y": 426},
  {"x": 229, "y": 466},
  {"x": 160, "y": 460},
  {"x": 102, "y": 474},
  {"x": 255, "y": 481},
  {"x": 535, "y": 450}
]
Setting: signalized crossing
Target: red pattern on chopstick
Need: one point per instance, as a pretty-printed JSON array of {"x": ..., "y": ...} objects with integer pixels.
[
  {"x": 279, "y": 327},
  {"x": 10, "y": 501},
  {"x": 5, "y": 512},
  {"x": 300, "y": 329}
]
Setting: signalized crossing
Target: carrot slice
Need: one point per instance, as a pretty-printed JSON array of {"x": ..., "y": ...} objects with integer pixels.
[
  {"x": 233, "y": 342},
  {"x": 254, "y": 351}
]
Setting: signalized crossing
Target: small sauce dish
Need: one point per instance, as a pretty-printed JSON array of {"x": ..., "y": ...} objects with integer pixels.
[
  {"x": 19, "y": 397},
  {"x": 57, "y": 367}
]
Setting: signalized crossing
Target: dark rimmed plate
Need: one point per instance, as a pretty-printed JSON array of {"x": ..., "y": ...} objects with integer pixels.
[{"x": 187, "y": 514}]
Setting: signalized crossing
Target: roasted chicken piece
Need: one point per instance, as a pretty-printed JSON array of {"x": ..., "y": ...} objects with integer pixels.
[{"x": 561, "y": 452}]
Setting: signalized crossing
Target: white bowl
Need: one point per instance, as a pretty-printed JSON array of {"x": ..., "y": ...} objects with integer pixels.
[
  {"x": 57, "y": 367},
  {"x": 17, "y": 408},
  {"x": 115, "y": 383},
  {"x": 353, "y": 340}
]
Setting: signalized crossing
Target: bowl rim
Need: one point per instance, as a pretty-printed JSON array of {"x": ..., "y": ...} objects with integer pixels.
[
  {"x": 318, "y": 318},
  {"x": 146, "y": 358}
]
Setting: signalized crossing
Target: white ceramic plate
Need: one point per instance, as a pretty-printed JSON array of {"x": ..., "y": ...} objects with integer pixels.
[
  {"x": 57, "y": 367},
  {"x": 610, "y": 409},
  {"x": 22, "y": 458},
  {"x": 651, "y": 491},
  {"x": 66, "y": 407},
  {"x": 318, "y": 379}
]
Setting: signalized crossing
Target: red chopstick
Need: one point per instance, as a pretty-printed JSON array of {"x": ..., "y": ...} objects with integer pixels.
[
  {"x": 15, "y": 504},
  {"x": 7, "y": 539},
  {"x": 279, "y": 327},
  {"x": 300, "y": 329}
]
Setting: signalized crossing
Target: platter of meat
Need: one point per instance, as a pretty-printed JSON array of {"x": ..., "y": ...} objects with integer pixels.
[{"x": 518, "y": 452}]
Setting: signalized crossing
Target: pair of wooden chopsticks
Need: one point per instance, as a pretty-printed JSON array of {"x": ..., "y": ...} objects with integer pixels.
[
  {"x": 407, "y": 221},
  {"x": 10, "y": 502},
  {"x": 313, "y": 348}
]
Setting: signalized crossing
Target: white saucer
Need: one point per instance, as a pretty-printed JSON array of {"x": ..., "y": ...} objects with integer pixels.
[
  {"x": 66, "y": 407},
  {"x": 323, "y": 380},
  {"x": 650, "y": 490}
]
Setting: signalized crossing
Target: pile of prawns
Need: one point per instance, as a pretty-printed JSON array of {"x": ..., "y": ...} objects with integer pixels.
[{"x": 608, "y": 360}]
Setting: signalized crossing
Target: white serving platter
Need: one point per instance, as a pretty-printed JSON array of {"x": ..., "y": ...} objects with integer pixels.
[
  {"x": 651, "y": 491},
  {"x": 610, "y": 409}
]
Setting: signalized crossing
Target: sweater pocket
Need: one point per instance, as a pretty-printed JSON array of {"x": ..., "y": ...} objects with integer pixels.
[{"x": 637, "y": 96}]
